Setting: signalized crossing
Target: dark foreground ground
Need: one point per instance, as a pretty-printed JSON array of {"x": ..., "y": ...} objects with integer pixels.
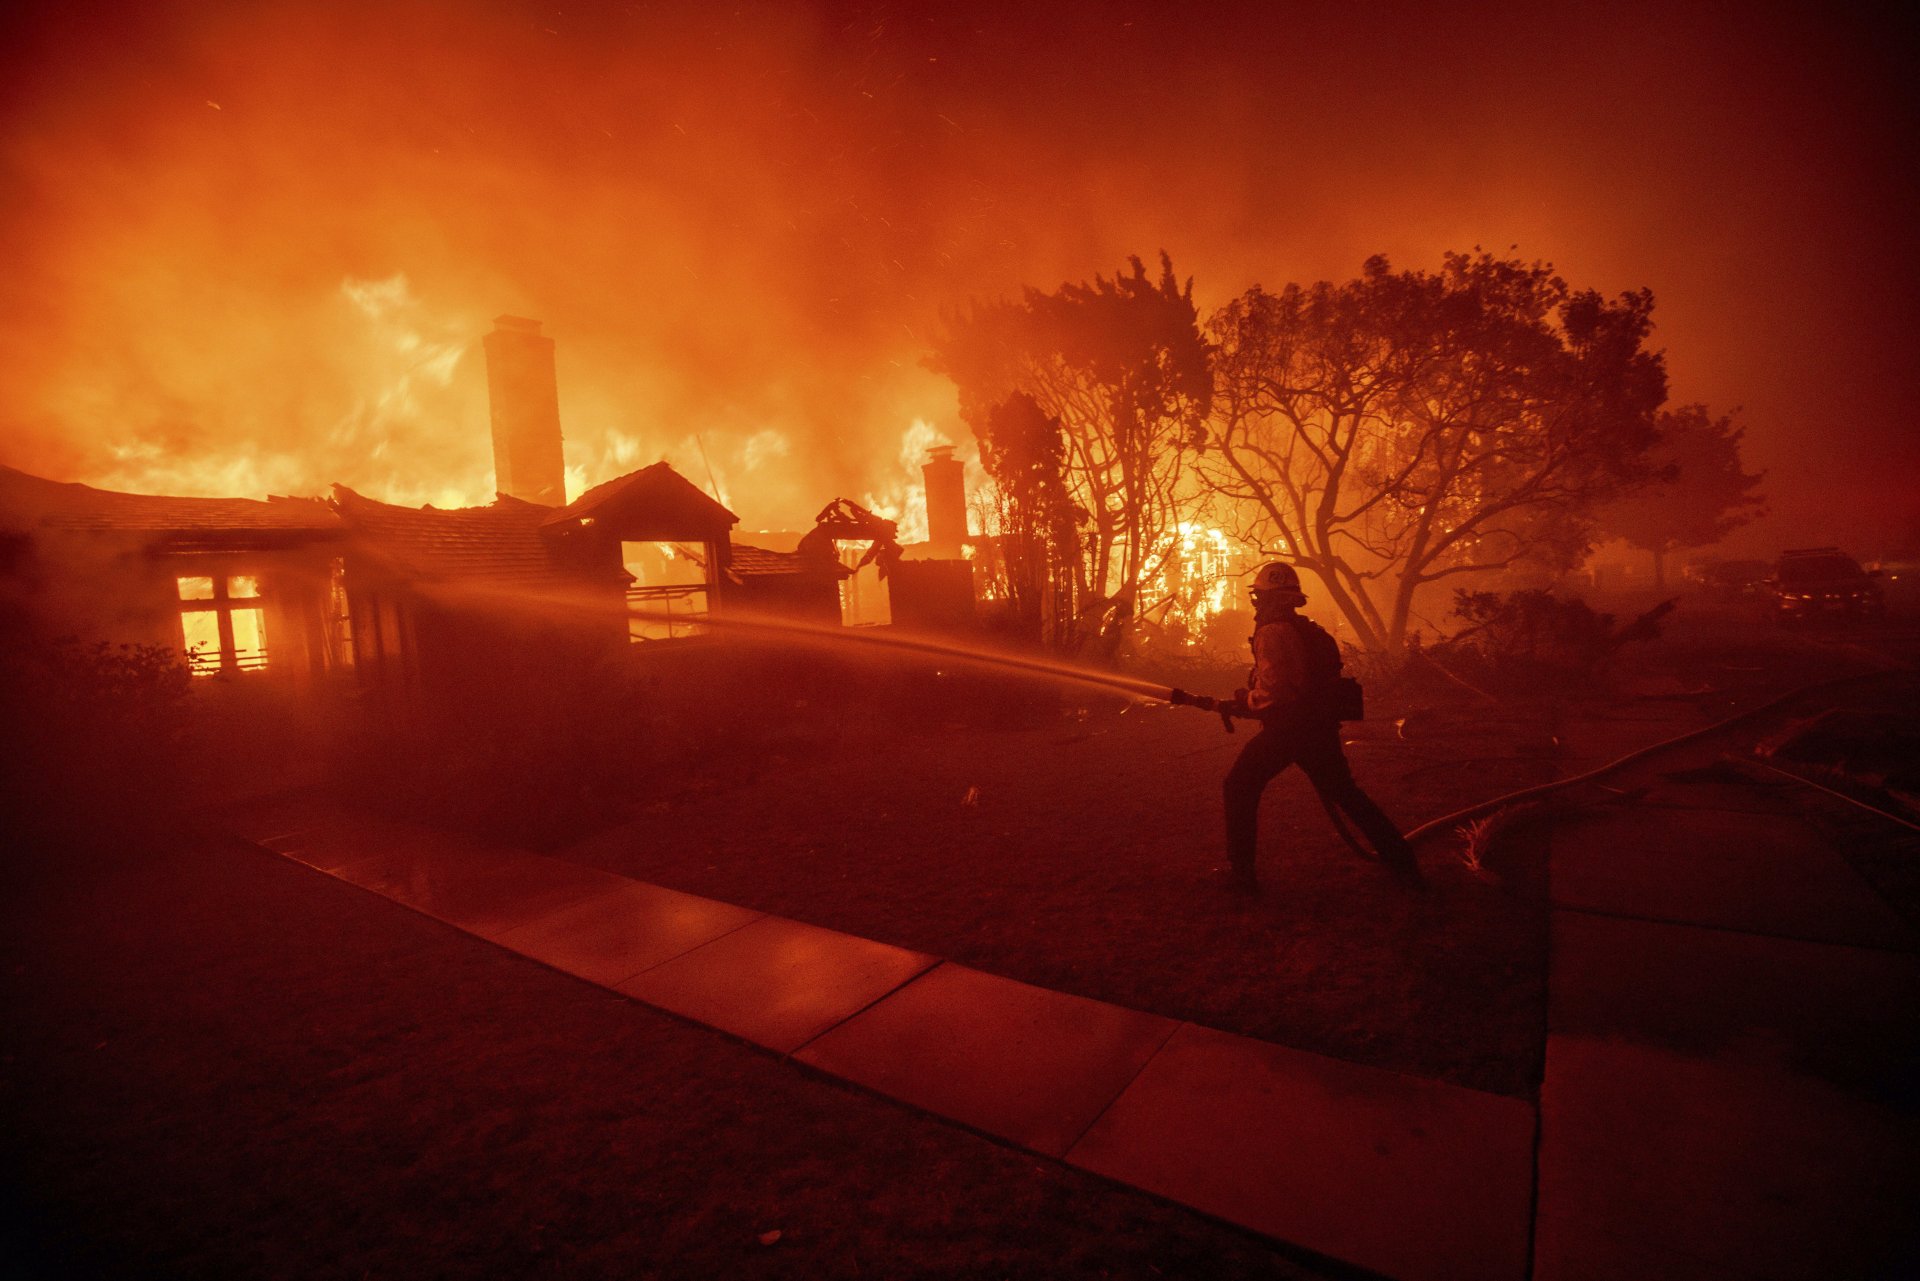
[{"x": 220, "y": 1064}]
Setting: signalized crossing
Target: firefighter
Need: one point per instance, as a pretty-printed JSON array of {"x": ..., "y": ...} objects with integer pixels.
[{"x": 1291, "y": 692}]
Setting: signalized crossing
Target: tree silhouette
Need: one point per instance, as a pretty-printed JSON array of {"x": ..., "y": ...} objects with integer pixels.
[
  {"x": 1023, "y": 450},
  {"x": 1698, "y": 494},
  {"x": 1121, "y": 365},
  {"x": 1406, "y": 427}
]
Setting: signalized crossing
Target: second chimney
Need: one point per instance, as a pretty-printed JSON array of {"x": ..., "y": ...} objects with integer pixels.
[
  {"x": 525, "y": 399},
  {"x": 946, "y": 503}
]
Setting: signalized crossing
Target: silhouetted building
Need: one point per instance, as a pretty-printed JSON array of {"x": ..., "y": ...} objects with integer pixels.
[
  {"x": 442, "y": 608},
  {"x": 933, "y": 595},
  {"x": 421, "y": 602},
  {"x": 451, "y": 604},
  {"x": 239, "y": 585},
  {"x": 788, "y": 584}
]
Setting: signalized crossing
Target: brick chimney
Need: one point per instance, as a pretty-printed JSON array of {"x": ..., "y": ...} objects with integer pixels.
[
  {"x": 526, "y": 412},
  {"x": 946, "y": 482}
]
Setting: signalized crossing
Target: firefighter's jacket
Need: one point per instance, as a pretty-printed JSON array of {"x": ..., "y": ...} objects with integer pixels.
[{"x": 1279, "y": 686}]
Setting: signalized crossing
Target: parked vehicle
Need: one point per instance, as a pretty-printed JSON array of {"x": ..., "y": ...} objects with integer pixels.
[{"x": 1824, "y": 582}]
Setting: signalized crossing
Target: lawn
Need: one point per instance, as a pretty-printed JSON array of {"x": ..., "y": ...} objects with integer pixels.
[{"x": 220, "y": 1064}]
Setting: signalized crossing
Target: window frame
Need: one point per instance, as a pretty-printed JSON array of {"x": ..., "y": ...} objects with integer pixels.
[
  {"x": 222, "y": 604},
  {"x": 680, "y": 628}
]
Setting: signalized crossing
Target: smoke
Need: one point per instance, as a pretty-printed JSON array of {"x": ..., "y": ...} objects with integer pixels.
[
  {"x": 255, "y": 244},
  {"x": 268, "y": 238}
]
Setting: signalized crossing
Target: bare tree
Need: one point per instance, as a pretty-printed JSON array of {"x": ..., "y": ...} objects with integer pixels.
[
  {"x": 1406, "y": 427},
  {"x": 1121, "y": 364}
]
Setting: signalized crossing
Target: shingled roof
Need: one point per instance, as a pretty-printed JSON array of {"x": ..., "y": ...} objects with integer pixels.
[
  {"x": 509, "y": 540},
  {"x": 500, "y": 542},
  {"x": 758, "y": 562},
  {"x": 655, "y": 502},
  {"x": 31, "y": 502}
]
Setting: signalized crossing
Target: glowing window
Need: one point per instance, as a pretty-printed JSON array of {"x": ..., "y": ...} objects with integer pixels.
[
  {"x": 249, "y": 637},
  {"x": 223, "y": 628},
  {"x": 202, "y": 630},
  {"x": 670, "y": 590}
]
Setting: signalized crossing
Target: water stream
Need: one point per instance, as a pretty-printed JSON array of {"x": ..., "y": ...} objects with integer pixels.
[
  {"x": 581, "y": 606},
  {"x": 834, "y": 636}
]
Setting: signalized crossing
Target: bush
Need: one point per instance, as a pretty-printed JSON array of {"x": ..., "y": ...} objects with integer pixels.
[
  {"x": 1527, "y": 639},
  {"x": 95, "y": 732}
]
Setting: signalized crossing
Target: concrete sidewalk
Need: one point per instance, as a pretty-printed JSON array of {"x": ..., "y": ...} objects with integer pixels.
[
  {"x": 1401, "y": 1176},
  {"x": 1729, "y": 1081},
  {"x": 1730, "y": 1085}
]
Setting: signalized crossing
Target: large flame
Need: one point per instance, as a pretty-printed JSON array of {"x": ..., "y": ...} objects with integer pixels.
[
  {"x": 743, "y": 220},
  {"x": 900, "y": 495}
]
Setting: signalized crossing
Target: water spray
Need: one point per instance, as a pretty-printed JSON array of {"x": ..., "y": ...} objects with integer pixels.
[
  {"x": 581, "y": 605},
  {"x": 841, "y": 637},
  {"x": 584, "y": 606}
]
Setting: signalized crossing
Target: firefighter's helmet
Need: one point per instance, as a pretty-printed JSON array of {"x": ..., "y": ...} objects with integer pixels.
[{"x": 1279, "y": 581}]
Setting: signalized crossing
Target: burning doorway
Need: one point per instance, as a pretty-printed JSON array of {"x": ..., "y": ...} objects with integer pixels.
[{"x": 672, "y": 589}]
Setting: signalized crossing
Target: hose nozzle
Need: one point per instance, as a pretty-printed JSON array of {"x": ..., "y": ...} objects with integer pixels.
[{"x": 1206, "y": 703}]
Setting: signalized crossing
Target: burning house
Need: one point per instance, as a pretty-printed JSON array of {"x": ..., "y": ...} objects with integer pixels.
[
  {"x": 420, "y": 604},
  {"x": 412, "y": 600},
  {"x": 431, "y": 608},
  {"x": 238, "y": 585}
]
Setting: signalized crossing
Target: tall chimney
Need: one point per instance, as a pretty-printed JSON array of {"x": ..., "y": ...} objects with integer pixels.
[
  {"x": 526, "y": 412},
  {"x": 946, "y": 503}
]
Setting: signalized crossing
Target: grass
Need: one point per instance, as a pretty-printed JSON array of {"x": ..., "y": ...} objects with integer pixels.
[{"x": 236, "y": 1067}]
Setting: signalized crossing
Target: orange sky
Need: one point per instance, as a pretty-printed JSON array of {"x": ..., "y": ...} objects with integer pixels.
[{"x": 249, "y": 245}]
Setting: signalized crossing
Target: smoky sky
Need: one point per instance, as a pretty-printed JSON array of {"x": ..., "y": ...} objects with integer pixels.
[{"x": 251, "y": 244}]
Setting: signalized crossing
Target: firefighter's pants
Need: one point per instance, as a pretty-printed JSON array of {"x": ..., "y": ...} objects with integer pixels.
[{"x": 1316, "y": 750}]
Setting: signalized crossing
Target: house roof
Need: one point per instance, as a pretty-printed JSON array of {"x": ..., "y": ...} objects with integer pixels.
[
  {"x": 509, "y": 540},
  {"x": 654, "y": 503},
  {"x": 31, "y": 502},
  {"x": 500, "y": 542},
  {"x": 758, "y": 562}
]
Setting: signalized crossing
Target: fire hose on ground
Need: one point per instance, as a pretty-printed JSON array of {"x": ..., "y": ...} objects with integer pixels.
[{"x": 1228, "y": 709}]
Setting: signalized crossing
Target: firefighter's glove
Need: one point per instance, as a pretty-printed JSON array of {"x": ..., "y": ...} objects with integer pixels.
[{"x": 1180, "y": 698}]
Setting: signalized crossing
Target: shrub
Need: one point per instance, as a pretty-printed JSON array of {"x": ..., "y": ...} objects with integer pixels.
[
  {"x": 1527, "y": 639},
  {"x": 95, "y": 731}
]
